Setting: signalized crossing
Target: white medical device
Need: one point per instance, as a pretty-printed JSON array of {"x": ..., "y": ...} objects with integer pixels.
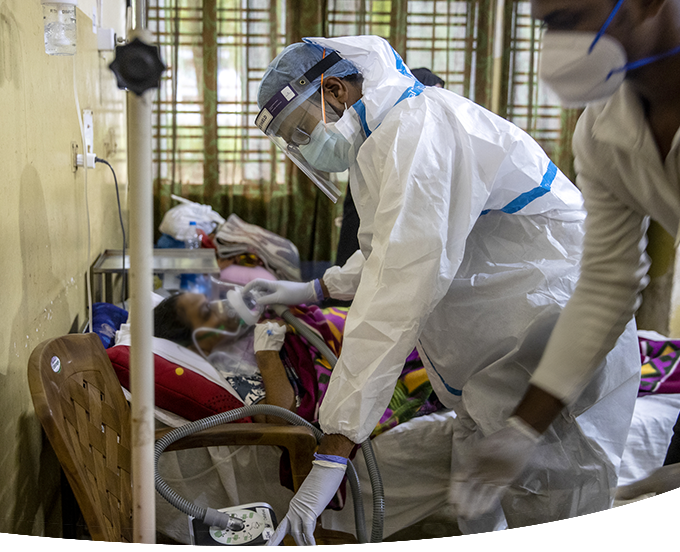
[{"x": 258, "y": 523}]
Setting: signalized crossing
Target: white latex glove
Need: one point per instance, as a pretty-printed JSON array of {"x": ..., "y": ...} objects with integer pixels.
[
  {"x": 269, "y": 336},
  {"x": 493, "y": 464},
  {"x": 316, "y": 491},
  {"x": 283, "y": 292},
  {"x": 658, "y": 523}
]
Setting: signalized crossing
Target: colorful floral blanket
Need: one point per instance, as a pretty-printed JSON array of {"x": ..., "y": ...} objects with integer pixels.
[
  {"x": 660, "y": 359},
  {"x": 413, "y": 395}
]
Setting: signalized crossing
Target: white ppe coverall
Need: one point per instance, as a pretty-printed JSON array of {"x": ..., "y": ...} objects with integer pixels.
[{"x": 470, "y": 245}]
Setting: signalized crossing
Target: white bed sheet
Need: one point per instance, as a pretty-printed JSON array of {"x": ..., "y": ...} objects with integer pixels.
[
  {"x": 651, "y": 429},
  {"x": 649, "y": 436}
]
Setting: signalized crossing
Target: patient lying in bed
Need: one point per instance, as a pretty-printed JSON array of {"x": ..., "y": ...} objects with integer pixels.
[{"x": 290, "y": 373}]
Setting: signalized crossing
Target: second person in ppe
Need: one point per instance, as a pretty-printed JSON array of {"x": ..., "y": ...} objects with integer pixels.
[{"x": 470, "y": 245}]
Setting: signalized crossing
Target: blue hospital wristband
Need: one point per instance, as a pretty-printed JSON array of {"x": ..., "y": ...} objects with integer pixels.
[{"x": 330, "y": 461}]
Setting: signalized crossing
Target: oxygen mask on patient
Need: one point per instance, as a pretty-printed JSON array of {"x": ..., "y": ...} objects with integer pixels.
[
  {"x": 245, "y": 305},
  {"x": 236, "y": 314}
]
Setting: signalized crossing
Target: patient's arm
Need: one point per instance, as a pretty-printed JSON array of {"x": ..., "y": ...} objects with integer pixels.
[{"x": 277, "y": 387}]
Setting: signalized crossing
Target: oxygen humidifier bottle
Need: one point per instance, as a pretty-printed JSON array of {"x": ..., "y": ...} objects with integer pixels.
[{"x": 59, "y": 17}]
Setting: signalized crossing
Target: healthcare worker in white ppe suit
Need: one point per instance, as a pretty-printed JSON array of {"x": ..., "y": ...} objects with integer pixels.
[
  {"x": 621, "y": 59},
  {"x": 470, "y": 240}
]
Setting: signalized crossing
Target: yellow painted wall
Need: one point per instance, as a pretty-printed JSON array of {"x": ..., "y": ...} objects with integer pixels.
[{"x": 47, "y": 245}]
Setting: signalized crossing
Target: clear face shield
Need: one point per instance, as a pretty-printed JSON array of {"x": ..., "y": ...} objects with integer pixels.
[{"x": 297, "y": 120}]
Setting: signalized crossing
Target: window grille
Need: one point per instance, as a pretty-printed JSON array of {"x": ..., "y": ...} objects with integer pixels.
[
  {"x": 217, "y": 51},
  {"x": 531, "y": 106}
]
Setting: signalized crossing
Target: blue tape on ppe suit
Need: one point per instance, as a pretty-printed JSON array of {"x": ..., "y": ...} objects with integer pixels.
[
  {"x": 360, "y": 108},
  {"x": 521, "y": 201},
  {"x": 414, "y": 90},
  {"x": 400, "y": 65},
  {"x": 450, "y": 389}
]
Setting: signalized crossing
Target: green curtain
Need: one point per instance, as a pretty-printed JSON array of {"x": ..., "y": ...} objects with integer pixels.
[{"x": 207, "y": 149}]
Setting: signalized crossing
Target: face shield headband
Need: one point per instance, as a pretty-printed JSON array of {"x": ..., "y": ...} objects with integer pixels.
[{"x": 282, "y": 104}]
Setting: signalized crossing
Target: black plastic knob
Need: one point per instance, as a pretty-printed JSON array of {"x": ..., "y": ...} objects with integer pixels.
[{"x": 137, "y": 66}]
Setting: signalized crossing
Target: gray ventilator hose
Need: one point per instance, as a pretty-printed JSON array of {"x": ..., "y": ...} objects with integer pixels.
[{"x": 215, "y": 518}]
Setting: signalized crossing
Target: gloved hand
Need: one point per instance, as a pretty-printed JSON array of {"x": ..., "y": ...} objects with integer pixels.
[
  {"x": 494, "y": 463},
  {"x": 269, "y": 336},
  {"x": 309, "y": 502},
  {"x": 659, "y": 523},
  {"x": 283, "y": 292}
]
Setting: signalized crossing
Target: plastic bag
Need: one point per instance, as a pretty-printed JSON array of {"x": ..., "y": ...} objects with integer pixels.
[{"x": 176, "y": 221}]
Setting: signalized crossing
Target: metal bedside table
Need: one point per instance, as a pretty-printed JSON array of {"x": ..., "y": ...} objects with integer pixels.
[{"x": 165, "y": 261}]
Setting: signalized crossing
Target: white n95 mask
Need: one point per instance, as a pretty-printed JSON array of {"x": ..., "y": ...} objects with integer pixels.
[
  {"x": 580, "y": 67},
  {"x": 327, "y": 150}
]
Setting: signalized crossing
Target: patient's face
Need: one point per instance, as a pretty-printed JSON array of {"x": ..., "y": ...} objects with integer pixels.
[{"x": 199, "y": 314}]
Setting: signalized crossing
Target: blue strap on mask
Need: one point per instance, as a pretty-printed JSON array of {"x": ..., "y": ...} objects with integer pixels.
[
  {"x": 633, "y": 64},
  {"x": 606, "y": 24}
]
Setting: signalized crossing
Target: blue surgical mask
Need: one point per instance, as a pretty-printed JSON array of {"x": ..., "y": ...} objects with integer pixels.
[
  {"x": 584, "y": 67},
  {"x": 327, "y": 150}
]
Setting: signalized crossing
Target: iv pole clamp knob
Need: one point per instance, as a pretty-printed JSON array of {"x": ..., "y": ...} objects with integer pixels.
[{"x": 137, "y": 66}]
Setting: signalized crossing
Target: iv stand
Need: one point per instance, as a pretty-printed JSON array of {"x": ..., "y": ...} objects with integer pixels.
[{"x": 138, "y": 69}]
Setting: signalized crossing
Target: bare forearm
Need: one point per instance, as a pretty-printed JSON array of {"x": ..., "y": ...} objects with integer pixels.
[
  {"x": 538, "y": 408},
  {"x": 279, "y": 391},
  {"x": 336, "y": 445}
]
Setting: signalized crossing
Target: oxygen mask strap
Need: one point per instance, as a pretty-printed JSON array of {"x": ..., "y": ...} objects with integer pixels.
[{"x": 212, "y": 332}]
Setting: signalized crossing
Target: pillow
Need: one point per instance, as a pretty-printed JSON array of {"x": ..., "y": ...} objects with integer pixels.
[
  {"x": 237, "y": 274},
  {"x": 178, "y": 390}
]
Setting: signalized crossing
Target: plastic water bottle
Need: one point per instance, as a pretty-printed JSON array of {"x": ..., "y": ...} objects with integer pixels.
[
  {"x": 194, "y": 239},
  {"x": 195, "y": 283}
]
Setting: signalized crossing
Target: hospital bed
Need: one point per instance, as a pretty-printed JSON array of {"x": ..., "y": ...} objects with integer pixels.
[
  {"x": 414, "y": 460},
  {"x": 228, "y": 476}
]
